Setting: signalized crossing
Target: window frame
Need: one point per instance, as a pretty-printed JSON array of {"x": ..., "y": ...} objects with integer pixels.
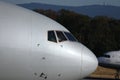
[
  {"x": 58, "y": 37},
  {"x": 54, "y": 36}
]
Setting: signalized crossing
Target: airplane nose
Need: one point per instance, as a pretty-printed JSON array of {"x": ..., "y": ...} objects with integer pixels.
[
  {"x": 89, "y": 61},
  {"x": 82, "y": 61}
]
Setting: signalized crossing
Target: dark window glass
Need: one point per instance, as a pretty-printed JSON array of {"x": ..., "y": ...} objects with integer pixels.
[
  {"x": 60, "y": 36},
  {"x": 70, "y": 36},
  {"x": 107, "y": 56},
  {"x": 51, "y": 36}
]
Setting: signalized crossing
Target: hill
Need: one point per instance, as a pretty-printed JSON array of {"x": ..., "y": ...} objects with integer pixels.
[{"x": 91, "y": 10}]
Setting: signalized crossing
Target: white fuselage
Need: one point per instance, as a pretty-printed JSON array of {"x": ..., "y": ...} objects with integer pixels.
[
  {"x": 110, "y": 60},
  {"x": 27, "y": 54}
]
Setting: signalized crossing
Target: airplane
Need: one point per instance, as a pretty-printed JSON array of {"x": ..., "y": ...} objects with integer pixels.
[
  {"x": 35, "y": 47},
  {"x": 111, "y": 60}
]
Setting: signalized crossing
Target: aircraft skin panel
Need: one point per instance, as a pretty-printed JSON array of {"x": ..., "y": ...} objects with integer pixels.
[{"x": 14, "y": 67}]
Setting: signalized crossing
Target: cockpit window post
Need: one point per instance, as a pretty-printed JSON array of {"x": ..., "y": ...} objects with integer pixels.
[{"x": 61, "y": 36}]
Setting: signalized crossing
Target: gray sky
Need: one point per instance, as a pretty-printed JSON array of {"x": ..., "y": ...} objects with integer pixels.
[{"x": 70, "y": 2}]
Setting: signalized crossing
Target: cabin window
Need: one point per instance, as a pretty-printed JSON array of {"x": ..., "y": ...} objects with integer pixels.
[
  {"x": 70, "y": 36},
  {"x": 51, "y": 36},
  {"x": 61, "y": 36}
]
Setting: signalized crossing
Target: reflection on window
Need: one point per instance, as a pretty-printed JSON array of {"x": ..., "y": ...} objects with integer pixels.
[
  {"x": 51, "y": 36},
  {"x": 70, "y": 36},
  {"x": 107, "y": 56},
  {"x": 60, "y": 36}
]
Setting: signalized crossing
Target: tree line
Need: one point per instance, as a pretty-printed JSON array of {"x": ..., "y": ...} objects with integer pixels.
[{"x": 100, "y": 33}]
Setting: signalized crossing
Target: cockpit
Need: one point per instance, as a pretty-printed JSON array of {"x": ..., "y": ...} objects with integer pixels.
[
  {"x": 106, "y": 56},
  {"x": 60, "y": 36}
]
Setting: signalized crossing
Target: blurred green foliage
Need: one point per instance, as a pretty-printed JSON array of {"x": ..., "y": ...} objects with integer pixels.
[{"x": 100, "y": 34}]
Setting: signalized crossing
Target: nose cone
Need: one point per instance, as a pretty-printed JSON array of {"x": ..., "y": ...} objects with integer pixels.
[
  {"x": 89, "y": 62},
  {"x": 82, "y": 62}
]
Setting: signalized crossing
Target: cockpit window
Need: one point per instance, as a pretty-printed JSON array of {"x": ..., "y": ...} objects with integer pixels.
[
  {"x": 107, "y": 56},
  {"x": 51, "y": 36},
  {"x": 61, "y": 36},
  {"x": 70, "y": 36}
]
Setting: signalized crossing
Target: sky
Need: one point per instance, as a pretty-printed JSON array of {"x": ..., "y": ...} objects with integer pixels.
[{"x": 70, "y": 2}]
